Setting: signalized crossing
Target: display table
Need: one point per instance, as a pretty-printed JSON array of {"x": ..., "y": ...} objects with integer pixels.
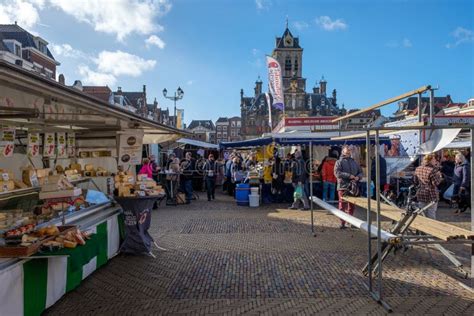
[
  {"x": 137, "y": 221},
  {"x": 36, "y": 283}
]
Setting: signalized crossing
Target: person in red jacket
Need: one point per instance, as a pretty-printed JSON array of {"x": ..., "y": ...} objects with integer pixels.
[{"x": 328, "y": 177}]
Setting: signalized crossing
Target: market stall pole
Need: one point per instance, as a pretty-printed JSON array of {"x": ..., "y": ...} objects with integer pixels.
[{"x": 311, "y": 182}]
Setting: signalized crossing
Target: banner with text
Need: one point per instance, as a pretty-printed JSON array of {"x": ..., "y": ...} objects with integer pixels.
[
  {"x": 275, "y": 83},
  {"x": 7, "y": 141},
  {"x": 130, "y": 150}
]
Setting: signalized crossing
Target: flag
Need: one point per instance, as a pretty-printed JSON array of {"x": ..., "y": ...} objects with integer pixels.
[{"x": 275, "y": 83}]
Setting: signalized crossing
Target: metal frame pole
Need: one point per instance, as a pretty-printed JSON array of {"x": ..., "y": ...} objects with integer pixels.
[
  {"x": 311, "y": 183},
  {"x": 420, "y": 118},
  {"x": 369, "y": 215},
  {"x": 472, "y": 203},
  {"x": 379, "y": 227},
  {"x": 431, "y": 122}
]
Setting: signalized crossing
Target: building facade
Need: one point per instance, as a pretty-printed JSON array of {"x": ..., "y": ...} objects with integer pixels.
[
  {"x": 228, "y": 129},
  {"x": 203, "y": 130},
  {"x": 19, "y": 47},
  {"x": 255, "y": 111}
]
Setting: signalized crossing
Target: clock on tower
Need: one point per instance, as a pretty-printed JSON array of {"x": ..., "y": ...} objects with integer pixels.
[{"x": 288, "y": 41}]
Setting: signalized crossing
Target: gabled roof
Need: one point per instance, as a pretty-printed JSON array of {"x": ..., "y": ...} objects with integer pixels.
[
  {"x": 13, "y": 31},
  {"x": 280, "y": 40},
  {"x": 133, "y": 97},
  {"x": 100, "y": 92},
  {"x": 204, "y": 123},
  {"x": 222, "y": 120}
]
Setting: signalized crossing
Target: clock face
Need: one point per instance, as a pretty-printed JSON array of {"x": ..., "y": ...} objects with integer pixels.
[{"x": 288, "y": 41}]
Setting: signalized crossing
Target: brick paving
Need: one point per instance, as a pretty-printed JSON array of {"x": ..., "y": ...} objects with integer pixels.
[{"x": 225, "y": 259}]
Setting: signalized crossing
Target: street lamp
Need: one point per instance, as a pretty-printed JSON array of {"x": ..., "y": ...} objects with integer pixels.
[{"x": 178, "y": 95}]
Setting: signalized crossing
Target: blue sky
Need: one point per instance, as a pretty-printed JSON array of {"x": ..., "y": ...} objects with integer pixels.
[{"x": 367, "y": 50}]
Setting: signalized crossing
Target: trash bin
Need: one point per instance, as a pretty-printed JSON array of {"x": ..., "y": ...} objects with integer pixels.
[{"x": 242, "y": 194}]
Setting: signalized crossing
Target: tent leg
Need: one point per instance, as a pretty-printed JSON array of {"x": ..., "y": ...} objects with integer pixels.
[
  {"x": 311, "y": 183},
  {"x": 369, "y": 215}
]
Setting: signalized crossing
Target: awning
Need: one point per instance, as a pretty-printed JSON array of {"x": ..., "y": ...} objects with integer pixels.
[
  {"x": 197, "y": 143},
  {"x": 297, "y": 139},
  {"x": 262, "y": 141}
]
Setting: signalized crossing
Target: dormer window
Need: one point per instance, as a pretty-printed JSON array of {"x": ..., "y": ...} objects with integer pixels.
[
  {"x": 18, "y": 50},
  {"x": 42, "y": 47}
]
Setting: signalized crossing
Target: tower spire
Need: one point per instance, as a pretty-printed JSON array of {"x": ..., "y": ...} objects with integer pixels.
[{"x": 287, "y": 21}]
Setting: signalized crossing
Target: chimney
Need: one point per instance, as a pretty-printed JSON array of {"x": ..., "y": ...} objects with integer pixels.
[
  {"x": 322, "y": 84},
  {"x": 334, "y": 97},
  {"x": 316, "y": 89},
  {"x": 119, "y": 90},
  {"x": 61, "y": 79},
  {"x": 144, "y": 89},
  {"x": 258, "y": 87},
  {"x": 77, "y": 85}
]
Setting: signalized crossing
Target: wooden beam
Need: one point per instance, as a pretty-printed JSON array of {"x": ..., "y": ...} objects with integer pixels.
[
  {"x": 380, "y": 104},
  {"x": 441, "y": 230}
]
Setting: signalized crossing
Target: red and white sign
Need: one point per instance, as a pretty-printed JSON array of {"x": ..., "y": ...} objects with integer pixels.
[{"x": 306, "y": 124}]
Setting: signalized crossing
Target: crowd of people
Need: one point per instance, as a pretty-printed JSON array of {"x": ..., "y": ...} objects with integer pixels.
[{"x": 287, "y": 179}]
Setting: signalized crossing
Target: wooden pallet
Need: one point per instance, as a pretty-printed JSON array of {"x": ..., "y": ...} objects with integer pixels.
[{"x": 427, "y": 225}]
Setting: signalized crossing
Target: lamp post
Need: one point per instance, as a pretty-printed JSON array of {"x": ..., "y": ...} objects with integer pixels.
[{"x": 178, "y": 95}]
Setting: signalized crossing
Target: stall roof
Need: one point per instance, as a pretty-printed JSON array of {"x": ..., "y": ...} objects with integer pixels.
[
  {"x": 296, "y": 139},
  {"x": 63, "y": 107},
  {"x": 197, "y": 143},
  {"x": 262, "y": 141}
]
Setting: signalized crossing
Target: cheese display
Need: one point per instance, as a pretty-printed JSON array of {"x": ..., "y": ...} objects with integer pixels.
[{"x": 127, "y": 185}]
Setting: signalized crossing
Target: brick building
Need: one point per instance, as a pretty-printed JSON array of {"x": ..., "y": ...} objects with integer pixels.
[
  {"x": 18, "y": 46},
  {"x": 203, "y": 130}
]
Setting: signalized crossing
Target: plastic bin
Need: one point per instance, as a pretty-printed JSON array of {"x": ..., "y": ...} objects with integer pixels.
[
  {"x": 254, "y": 200},
  {"x": 242, "y": 192}
]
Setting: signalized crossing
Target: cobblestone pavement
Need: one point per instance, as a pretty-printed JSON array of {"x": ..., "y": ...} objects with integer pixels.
[{"x": 225, "y": 259}]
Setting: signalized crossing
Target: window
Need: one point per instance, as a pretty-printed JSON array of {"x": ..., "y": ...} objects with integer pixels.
[
  {"x": 219, "y": 134},
  {"x": 288, "y": 64},
  {"x": 42, "y": 47},
  {"x": 296, "y": 65},
  {"x": 232, "y": 133},
  {"x": 18, "y": 50},
  {"x": 233, "y": 123},
  {"x": 224, "y": 135},
  {"x": 219, "y": 128},
  {"x": 238, "y": 123}
]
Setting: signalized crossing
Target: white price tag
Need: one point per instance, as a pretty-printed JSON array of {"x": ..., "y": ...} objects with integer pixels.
[{"x": 5, "y": 176}]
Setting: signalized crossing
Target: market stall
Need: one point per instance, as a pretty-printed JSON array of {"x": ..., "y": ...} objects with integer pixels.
[{"x": 63, "y": 155}]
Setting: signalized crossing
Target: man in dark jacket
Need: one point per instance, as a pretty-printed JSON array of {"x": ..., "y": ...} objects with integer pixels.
[
  {"x": 299, "y": 178},
  {"x": 210, "y": 177},
  {"x": 383, "y": 171},
  {"x": 188, "y": 165},
  {"x": 346, "y": 170}
]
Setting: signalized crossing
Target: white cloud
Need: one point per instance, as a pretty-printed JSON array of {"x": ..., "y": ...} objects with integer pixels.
[
  {"x": 120, "y": 63},
  {"x": 404, "y": 43},
  {"x": 119, "y": 17},
  {"x": 263, "y": 4},
  {"x": 461, "y": 35},
  {"x": 66, "y": 50},
  {"x": 155, "y": 40},
  {"x": 257, "y": 60},
  {"x": 300, "y": 25},
  {"x": 329, "y": 24},
  {"x": 94, "y": 78},
  {"x": 190, "y": 82},
  {"x": 24, "y": 12}
]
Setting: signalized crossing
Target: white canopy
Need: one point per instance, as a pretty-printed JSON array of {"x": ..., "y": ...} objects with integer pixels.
[{"x": 197, "y": 143}]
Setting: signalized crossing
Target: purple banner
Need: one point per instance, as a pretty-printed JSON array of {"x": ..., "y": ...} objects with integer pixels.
[{"x": 275, "y": 83}]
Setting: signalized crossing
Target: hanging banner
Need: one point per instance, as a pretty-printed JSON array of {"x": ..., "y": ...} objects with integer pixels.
[
  {"x": 33, "y": 144},
  {"x": 130, "y": 148},
  {"x": 61, "y": 137},
  {"x": 49, "y": 145},
  {"x": 7, "y": 141},
  {"x": 71, "y": 145},
  {"x": 275, "y": 83}
]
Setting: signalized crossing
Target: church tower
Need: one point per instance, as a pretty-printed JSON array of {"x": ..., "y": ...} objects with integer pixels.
[{"x": 289, "y": 54}]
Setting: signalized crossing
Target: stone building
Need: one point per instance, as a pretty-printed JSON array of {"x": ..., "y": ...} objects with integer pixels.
[
  {"x": 298, "y": 102},
  {"x": 203, "y": 130}
]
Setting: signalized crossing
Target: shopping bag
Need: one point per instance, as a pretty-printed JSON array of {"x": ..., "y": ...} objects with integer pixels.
[
  {"x": 298, "y": 194},
  {"x": 448, "y": 194}
]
